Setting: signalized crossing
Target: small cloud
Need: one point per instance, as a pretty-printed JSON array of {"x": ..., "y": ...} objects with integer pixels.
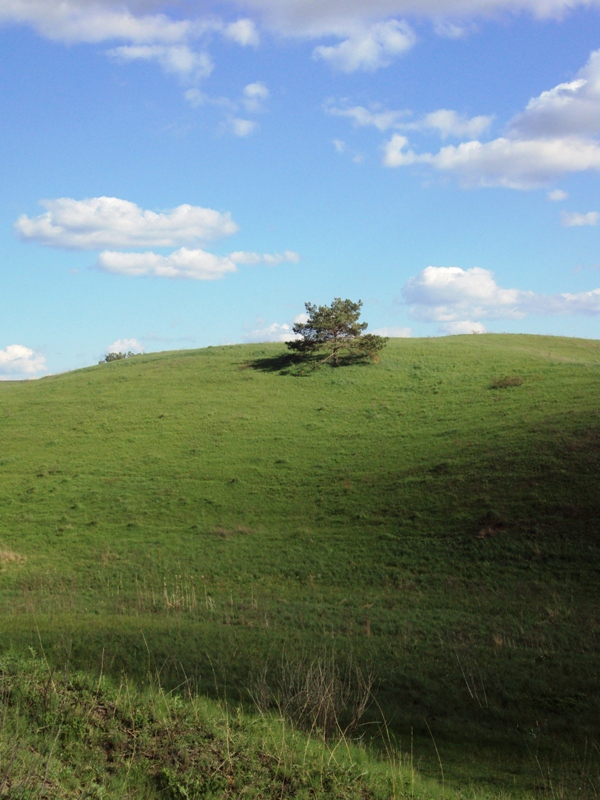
[
  {"x": 394, "y": 332},
  {"x": 449, "y": 123},
  {"x": 255, "y": 96},
  {"x": 242, "y": 127},
  {"x": 369, "y": 49},
  {"x": 18, "y": 362},
  {"x": 125, "y": 346},
  {"x": 301, "y": 319},
  {"x": 444, "y": 121},
  {"x": 575, "y": 220},
  {"x": 178, "y": 59},
  {"x": 272, "y": 333},
  {"x": 556, "y": 195},
  {"x": 195, "y": 97},
  {"x": 446, "y": 29},
  {"x": 340, "y": 145},
  {"x": 461, "y": 327},
  {"x": 272, "y": 259},
  {"x": 244, "y": 32}
]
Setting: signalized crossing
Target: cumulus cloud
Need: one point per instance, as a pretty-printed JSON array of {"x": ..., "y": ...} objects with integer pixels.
[
  {"x": 243, "y": 31},
  {"x": 19, "y": 362},
  {"x": 553, "y": 136},
  {"x": 449, "y": 123},
  {"x": 242, "y": 127},
  {"x": 125, "y": 346},
  {"x": 177, "y": 59},
  {"x": 272, "y": 333},
  {"x": 464, "y": 326},
  {"x": 460, "y": 298},
  {"x": 299, "y": 17},
  {"x": 255, "y": 96},
  {"x": 376, "y": 116},
  {"x": 80, "y": 21},
  {"x": 186, "y": 264},
  {"x": 569, "y": 109},
  {"x": 99, "y": 222},
  {"x": 448, "y": 294},
  {"x": 394, "y": 332},
  {"x": 512, "y": 163},
  {"x": 369, "y": 49},
  {"x": 445, "y": 122},
  {"x": 574, "y": 219},
  {"x": 183, "y": 263},
  {"x": 556, "y": 195}
]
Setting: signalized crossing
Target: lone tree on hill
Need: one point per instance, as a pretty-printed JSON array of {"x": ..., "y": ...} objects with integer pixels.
[{"x": 333, "y": 330}]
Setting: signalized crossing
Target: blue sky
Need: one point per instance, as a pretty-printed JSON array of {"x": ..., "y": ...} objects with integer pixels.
[{"x": 191, "y": 173}]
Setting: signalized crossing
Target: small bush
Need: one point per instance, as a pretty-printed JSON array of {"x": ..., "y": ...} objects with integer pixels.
[
  {"x": 116, "y": 357},
  {"x": 506, "y": 382},
  {"x": 317, "y": 695}
]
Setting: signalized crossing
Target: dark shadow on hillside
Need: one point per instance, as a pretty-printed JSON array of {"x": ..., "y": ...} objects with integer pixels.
[
  {"x": 292, "y": 364},
  {"x": 281, "y": 362}
]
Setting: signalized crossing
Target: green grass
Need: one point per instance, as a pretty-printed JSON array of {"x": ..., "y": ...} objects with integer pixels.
[{"x": 434, "y": 518}]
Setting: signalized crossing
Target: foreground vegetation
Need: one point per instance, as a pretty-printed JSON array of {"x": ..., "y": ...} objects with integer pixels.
[{"x": 194, "y": 520}]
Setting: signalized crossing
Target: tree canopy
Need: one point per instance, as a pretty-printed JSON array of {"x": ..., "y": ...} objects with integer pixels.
[{"x": 334, "y": 331}]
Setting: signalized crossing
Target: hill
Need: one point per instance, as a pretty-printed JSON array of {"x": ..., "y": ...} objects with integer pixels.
[{"x": 190, "y": 517}]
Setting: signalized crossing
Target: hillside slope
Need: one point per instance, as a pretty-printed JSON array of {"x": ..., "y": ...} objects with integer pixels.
[{"x": 199, "y": 513}]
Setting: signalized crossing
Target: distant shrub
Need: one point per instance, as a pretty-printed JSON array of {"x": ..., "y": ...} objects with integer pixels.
[
  {"x": 506, "y": 381},
  {"x": 116, "y": 357}
]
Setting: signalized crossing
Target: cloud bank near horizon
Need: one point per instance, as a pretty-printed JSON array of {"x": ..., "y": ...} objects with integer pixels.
[{"x": 461, "y": 299}]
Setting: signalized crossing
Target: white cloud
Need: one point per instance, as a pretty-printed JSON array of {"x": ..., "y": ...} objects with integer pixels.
[
  {"x": 183, "y": 263},
  {"x": 464, "y": 326},
  {"x": 449, "y": 123},
  {"x": 272, "y": 333},
  {"x": 18, "y": 362},
  {"x": 450, "y": 295},
  {"x": 195, "y": 97},
  {"x": 177, "y": 59},
  {"x": 552, "y": 137},
  {"x": 299, "y": 17},
  {"x": 242, "y": 127},
  {"x": 380, "y": 118},
  {"x": 100, "y": 222},
  {"x": 369, "y": 49},
  {"x": 271, "y": 259},
  {"x": 394, "y": 332},
  {"x": 556, "y": 195},
  {"x": 574, "y": 219},
  {"x": 569, "y": 109},
  {"x": 243, "y": 31},
  {"x": 255, "y": 96},
  {"x": 80, "y": 21},
  {"x": 447, "y": 29},
  {"x": 444, "y": 121},
  {"x": 105, "y": 20},
  {"x": 126, "y": 346},
  {"x": 187, "y": 264},
  {"x": 511, "y": 163}
]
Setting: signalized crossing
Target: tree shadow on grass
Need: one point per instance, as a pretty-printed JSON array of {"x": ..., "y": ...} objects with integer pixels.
[{"x": 299, "y": 367}]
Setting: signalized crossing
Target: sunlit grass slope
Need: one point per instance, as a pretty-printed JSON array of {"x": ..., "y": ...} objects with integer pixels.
[{"x": 196, "y": 513}]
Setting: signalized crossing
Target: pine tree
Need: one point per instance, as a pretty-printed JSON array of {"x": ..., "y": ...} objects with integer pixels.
[{"x": 335, "y": 330}]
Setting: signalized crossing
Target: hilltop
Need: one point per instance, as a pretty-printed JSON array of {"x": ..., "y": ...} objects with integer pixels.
[{"x": 185, "y": 518}]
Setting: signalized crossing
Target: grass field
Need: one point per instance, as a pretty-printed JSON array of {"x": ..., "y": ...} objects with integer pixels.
[{"x": 186, "y": 518}]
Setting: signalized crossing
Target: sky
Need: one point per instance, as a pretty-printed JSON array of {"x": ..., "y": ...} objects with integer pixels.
[{"x": 191, "y": 173}]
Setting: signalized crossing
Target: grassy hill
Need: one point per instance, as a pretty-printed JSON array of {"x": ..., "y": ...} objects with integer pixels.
[{"x": 204, "y": 519}]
